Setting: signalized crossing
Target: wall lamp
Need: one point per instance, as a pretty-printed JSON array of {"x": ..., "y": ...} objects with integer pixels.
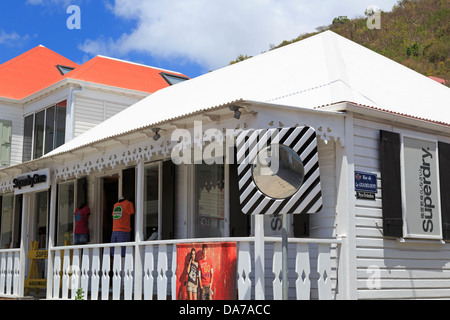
[
  {"x": 237, "y": 113},
  {"x": 157, "y": 136}
]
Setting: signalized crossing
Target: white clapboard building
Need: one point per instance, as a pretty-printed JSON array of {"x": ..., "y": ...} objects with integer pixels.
[{"x": 361, "y": 147}]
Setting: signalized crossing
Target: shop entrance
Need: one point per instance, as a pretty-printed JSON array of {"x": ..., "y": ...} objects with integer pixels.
[
  {"x": 37, "y": 244},
  {"x": 110, "y": 186}
]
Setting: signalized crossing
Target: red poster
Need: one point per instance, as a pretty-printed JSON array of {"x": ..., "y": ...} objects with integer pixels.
[{"x": 206, "y": 271}]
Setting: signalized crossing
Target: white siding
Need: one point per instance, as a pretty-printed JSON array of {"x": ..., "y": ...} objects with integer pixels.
[
  {"x": 92, "y": 108},
  {"x": 386, "y": 267}
]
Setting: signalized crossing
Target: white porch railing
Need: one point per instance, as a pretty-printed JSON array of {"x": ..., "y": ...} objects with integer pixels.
[
  {"x": 148, "y": 269},
  {"x": 10, "y": 277}
]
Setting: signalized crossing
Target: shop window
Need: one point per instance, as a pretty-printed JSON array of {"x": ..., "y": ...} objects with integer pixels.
[
  {"x": 41, "y": 218},
  {"x": 7, "y": 221},
  {"x": 11, "y": 221},
  {"x": 209, "y": 200},
  {"x": 44, "y": 131},
  {"x": 66, "y": 194},
  {"x": 71, "y": 195},
  {"x": 151, "y": 201}
]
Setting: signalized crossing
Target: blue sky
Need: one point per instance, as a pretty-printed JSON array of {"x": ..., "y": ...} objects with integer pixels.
[{"x": 190, "y": 36}]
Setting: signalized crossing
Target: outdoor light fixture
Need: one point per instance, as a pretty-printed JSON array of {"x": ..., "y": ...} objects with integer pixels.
[
  {"x": 157, "y": 136},
  {"x": 237, "y": 113}
]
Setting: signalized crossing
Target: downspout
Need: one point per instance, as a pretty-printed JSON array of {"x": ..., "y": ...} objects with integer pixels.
[{"x": 70, "y": 120}]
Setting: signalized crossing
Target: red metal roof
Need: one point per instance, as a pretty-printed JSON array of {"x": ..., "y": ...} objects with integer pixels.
[
  {"x": 30, "y": 72},
  {"x": 122, "y": 74},
  {"x": 37, "y": 69}
]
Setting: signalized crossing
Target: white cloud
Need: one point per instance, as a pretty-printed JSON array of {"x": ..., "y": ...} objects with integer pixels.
[
  {"x": 212, "y": 33},
  {"x": 12, "y": 38}
]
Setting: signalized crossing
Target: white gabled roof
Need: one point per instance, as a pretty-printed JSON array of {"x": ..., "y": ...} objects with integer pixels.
[{"x": 318, "y": 71}]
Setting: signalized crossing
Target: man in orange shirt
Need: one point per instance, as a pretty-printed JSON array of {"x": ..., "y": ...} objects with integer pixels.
[
  {"x": 206, "y": 275},
  {"x": 121, "y": 232}
]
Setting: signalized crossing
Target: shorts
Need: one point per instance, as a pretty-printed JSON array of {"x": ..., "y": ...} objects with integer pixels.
[
  {"x": 191, "y": 287},
  {"x": 120, "y": 236},
  {"x": 80, "y": 238},
  {"x": 206, "y": 293}
]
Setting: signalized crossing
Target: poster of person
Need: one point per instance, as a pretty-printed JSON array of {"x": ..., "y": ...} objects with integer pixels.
[{"x": 206, "y": 271}]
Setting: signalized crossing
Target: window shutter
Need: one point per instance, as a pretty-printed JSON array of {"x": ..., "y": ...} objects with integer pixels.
[
  {"x": 301, "y": 225},
  {"x": 444, "y": 179},
  {"x": 168, "y": 200},
  {"x": 5, "y": 142},
  {"x": 239, "y": 222},
  {"x": 391, "y": 184}
]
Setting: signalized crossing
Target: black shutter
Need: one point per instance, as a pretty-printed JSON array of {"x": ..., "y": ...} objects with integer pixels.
[
  {"x": 301, "y": 225},
  {"x": 168, "y": 200},
  {"x": 391, "y": 184},
  {"x": 444, "y": 179},
  {"x": 239, "y": 222}
]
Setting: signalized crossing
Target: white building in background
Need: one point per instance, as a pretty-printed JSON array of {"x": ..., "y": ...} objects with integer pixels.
[{"x": 377, "y": 161}]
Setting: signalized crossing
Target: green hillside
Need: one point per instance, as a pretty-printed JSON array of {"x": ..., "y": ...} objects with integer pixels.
[{"x": 415, "y": 33}]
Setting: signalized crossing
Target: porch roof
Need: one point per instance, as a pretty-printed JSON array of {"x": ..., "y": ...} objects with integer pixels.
[{"x": 316, "y": 72}]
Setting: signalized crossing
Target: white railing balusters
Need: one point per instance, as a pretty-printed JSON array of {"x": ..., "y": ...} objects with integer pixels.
[
  {"x": 162, "y": 271},
  {"x": 105, "y": 273},
  {"x": 57, "y": 274},
  {"x": 244, "y": 269},
  {"x": 9, "y": 273},
  {"x": 96, "y": 269},
  {"x": 148, "y": 269},
  {"x": 303, "y": 270},
  {"x": 66, "y": 276},
  {"x": 16, "y": 274},
  {"x": 85, "y": 272},
  {"x": 277, "y": 261},
  {"x": 324, "y": 269},
  {"x": 3, "y": 272},
  {"x": 174, "y": 269},
  {"x": 128, "y": 274},
  {"x": 117, "y": 269},
  {"x": 75, "y": 270}
]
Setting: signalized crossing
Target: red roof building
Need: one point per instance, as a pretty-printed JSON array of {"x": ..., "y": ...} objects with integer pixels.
[{"x": 42, "y": 89}]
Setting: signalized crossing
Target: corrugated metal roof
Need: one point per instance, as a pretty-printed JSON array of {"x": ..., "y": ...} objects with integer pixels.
[{"x": 320, "y": 70}]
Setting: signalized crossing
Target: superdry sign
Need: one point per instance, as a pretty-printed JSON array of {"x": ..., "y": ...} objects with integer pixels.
[
  {"x": 421, "y": 198},
  {"x": 34, "y": 181}
]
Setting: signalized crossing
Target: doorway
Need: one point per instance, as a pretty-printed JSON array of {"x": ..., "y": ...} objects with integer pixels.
[{"x": 37, "y": 239}]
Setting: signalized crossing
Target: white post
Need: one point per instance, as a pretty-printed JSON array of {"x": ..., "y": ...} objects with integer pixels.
[
  {"x": 345, "y": 208},
  {"x": 51, "y": 236},
  {"x": 259, "y": 258},
  {"x": 139, "y": 218},
  {"x": 23, "y": 244}
]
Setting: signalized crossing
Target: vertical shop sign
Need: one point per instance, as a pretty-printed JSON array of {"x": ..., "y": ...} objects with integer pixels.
[{"x": 421, "y": 197}]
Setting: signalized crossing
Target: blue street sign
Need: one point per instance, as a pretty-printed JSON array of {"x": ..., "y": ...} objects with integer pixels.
[{"x": 366, "y": 182}]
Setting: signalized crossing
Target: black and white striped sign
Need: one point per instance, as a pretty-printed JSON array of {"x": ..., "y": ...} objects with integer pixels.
[{"x": 303, "y": 141}]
